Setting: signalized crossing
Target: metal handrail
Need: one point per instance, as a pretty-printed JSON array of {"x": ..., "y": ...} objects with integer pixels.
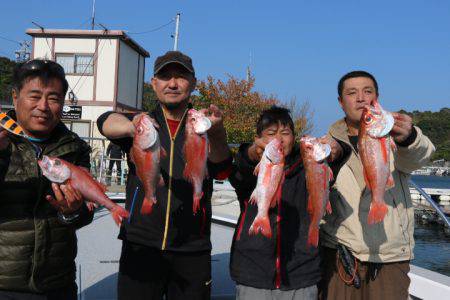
[{"x": 431, "y": 201}]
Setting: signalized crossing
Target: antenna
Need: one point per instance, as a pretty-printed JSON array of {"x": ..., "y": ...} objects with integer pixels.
[
  {"x": 177, "y": 25},
  {"x": 36, "y": 24},
  {"x": 93, "y": 15},
  {"x": 248, "y": 67}
]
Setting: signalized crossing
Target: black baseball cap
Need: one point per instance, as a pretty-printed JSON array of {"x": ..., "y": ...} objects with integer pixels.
[{"x": 173, "y": 57}]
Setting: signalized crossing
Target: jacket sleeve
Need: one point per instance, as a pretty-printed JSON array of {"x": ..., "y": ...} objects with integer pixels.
[
  {"x": 414, "y": 156},
  {"x": 5, "y": 156},
  {"x": 242, "y": 178}
]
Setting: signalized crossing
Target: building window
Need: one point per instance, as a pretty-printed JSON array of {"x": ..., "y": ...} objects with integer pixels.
[{"x": 76, "y": 64}]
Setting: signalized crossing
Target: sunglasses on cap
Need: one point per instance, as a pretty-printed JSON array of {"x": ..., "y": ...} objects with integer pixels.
[{"x": 41, "y": 64}]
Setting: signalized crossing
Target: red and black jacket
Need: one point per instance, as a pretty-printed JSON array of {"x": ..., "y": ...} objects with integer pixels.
[
  {"x": 285, "y": 261},
  {"x": 172, "y": 224}
]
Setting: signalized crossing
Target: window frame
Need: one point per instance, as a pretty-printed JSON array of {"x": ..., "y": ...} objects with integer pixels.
[{"x": 74, "y": 56}]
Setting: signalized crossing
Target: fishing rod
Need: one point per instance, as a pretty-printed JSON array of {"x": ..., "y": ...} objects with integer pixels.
[{"x": 431, "y": 201}]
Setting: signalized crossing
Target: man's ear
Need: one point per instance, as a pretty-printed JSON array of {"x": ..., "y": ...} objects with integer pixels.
[
  {"x": 153, "y": 82},
  {"x": 194, "y": 84},
  {"x": 15, "y": 96},
  {"x": 340, "y": 102}
]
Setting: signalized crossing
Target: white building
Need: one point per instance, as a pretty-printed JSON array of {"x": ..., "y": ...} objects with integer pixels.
[{"x": 105, "y": 71}]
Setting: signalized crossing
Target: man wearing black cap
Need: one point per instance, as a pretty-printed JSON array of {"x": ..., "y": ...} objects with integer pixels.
[{"x": 169, "y": 251}]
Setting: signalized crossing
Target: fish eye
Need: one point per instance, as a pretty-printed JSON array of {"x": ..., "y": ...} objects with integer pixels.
[{"x": 57, "y": 162}]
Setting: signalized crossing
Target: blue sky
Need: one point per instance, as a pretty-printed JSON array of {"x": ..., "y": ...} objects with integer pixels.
[{"x": 298, "y": 48}]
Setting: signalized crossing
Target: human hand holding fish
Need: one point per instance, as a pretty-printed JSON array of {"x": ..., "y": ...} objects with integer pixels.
[
  {"x": 215, "y": 115},
  {"x": 336, "y": 148},
  {"x": 67, "y": 200},
  {"x": 256, "y": 150},
  {"x": 403, "y": 127}
]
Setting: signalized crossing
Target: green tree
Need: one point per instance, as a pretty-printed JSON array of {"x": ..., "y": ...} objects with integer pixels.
[
  {"x": 6, "y": 72},
  {"x": 149, "y": 99}
]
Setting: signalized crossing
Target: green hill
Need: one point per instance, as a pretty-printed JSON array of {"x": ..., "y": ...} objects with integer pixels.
[{"x": 436, "y": 125}]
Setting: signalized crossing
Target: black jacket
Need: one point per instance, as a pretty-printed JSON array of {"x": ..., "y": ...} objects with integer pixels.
[
  {"x": 37, "y": 251},
  {"x": 172, "y": 224},
  {"x": 253, "y": 258}
]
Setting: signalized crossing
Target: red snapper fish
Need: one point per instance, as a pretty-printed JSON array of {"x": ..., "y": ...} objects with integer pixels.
[
  {"x": 318, "y": 176},
  {"x": 146, "y": 155},
  {"x": 267, "y": 192},
  {"x": 196, "y": 153},
  {"x": 374, "y": 144},
  {"x": 60, "y": 171}
]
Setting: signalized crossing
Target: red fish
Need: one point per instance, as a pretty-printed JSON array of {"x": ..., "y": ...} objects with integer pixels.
[
  {"x": 146, "y": 154},
  {"x": 60, "y": 171},
  {"x": 318, "y": 176},
  {"x": 374, "y": 145},
  {"x": 196, "y": 153},
  {"x": 270, "y": 171}
]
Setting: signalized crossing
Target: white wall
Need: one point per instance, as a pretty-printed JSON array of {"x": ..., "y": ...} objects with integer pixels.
[
  {"x": 92, "y": 113},
  {"x": 43, "y": 48},
  {"x": 75, "y": 45},
  {"x": 128, "y": 75},
  {"x": 106, "y": 69}
]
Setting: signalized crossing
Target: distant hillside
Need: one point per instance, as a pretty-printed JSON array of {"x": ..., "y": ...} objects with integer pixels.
[{"x": 436, "y": 125}]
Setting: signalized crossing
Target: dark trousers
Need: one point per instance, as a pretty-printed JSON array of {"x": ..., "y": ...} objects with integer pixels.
[
  {"x": 149, "y": 273},
  {"x": 391, "y": 282},
  {"x": 118, "y": 165},
  {"x": 67, "y": 293}
]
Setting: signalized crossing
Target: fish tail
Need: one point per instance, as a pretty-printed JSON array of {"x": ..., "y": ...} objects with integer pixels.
[
  {"x": 118, "y": 213},
  {"x": 313, "y": 235},
  {"x": 261, "y": 224},
  {"x": 377, "y": 212},
  {"x": 147, "y": 206}
]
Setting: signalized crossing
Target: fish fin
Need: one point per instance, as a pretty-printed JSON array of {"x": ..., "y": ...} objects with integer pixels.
[
  {"x": 132, "y": 157},
  {"x": 328, "y": 207},
  {"x": 100, "y": 185},
  {"x": 118, "y": 213},
  {"x": 196, "y": 203},
  {"x": 261, "y": 224},
  {"x": 147, "y": 206},
  {"x": 366, "y": 179},
  {"x": 330, "y": 174},
  {"x": 162, "y": 153},
  {"x": 310, "y": 207},
  {"x": 256, "y": 171},
  {"x": 377, "y": 212},
  {"x": 313, "y": 235},
  {"x": 91, "y": 206},
  {"x": 253, "y": 197},
  {"x": 278, "y": 193},
  {"x": 161, "y": 181},
  {"x": 393, "y": 145},
  {"x": 384, "y": 149},
  {"x": 390, "y": 182}
]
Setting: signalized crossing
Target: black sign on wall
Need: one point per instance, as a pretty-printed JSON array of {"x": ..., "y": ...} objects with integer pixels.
[{"x": 71, "y": 112}]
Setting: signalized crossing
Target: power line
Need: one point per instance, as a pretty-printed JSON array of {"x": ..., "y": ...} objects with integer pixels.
[
  {"x": 9, "y": 40},
  {"x": 154, "y": 29}
]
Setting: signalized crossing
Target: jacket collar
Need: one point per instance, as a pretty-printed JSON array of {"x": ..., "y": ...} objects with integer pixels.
[
  {"x": 59, "y": 133},
  {"x": 339, "y": 131}
]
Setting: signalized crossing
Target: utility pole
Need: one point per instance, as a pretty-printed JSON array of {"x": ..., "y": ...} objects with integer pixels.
[
  {"x": 93, "y": 15},
  {"x": 23, "y": 54},
  {"x": 177, "y": 25}
]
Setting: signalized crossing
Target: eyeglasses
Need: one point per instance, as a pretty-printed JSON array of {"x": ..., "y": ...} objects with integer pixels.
[{"x": 41, "y": 64}]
